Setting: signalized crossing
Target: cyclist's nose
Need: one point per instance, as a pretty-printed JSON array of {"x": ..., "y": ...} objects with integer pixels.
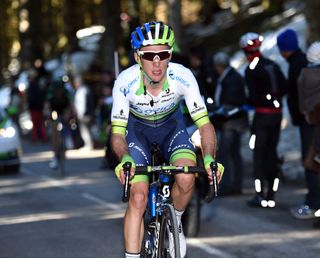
[
  {"x": 156, "y": 58},
  {"x": 156, "y": 61}
]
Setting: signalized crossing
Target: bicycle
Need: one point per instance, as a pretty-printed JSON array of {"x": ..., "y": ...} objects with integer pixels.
[{"x": 160, "y": 219}]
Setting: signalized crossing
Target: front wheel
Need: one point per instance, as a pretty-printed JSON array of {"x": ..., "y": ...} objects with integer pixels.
[{"x": 169, "y": 232}]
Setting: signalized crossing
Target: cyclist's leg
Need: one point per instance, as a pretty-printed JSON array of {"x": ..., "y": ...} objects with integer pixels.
[
  {"x": 133, "y": 220},
  {"x": 183, "y": 187},
  {"x": 180, "y": 152}
]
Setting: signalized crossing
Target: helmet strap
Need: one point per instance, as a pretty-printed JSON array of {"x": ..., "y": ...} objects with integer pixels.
[{"x": 151, "y": 82}]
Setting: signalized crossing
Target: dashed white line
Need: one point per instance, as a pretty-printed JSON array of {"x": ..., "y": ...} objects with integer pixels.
[
  {"x": 88, "y": 196},
  {"x": 95, "y": 199}
]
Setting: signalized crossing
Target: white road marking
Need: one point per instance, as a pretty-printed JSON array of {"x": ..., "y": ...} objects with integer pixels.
[
  {"x": 61, "y": 183},
  {"x": 109, "y": 205}
]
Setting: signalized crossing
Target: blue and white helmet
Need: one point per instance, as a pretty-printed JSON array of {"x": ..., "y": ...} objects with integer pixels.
[{"x": 152, "y": 33}]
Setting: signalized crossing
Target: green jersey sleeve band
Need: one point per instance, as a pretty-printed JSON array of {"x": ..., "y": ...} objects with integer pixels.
[
  {"x": 201, "y": 119},
  {"x": 183, "y": 154},
  {"x": 119, "y": 127}
]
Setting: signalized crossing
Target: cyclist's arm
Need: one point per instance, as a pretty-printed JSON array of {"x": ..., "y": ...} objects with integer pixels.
[
  {"x": 199, "y": 114},
  {"x": 208, "y": 140},
  {"x": 119, "y": 121},
  {"x": 119, "y": 145}
]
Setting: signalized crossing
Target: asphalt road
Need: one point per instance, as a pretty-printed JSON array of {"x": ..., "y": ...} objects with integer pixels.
[{"x": 80, "y": 216}]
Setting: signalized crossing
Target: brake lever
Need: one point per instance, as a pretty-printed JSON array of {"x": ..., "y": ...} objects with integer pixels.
[
  {"x": 126, "y": 187},
  {"x": 213, "y": 189}
]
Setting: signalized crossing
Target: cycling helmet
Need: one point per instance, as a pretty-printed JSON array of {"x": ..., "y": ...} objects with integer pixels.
[
  {"x": 152, "y": 33},
  {"x": 250, "y": 43},
  {"x": 313, "y": 53}
]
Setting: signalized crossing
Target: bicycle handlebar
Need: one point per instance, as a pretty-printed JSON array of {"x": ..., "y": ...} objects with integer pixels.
[{"x": 144, "y": 170}]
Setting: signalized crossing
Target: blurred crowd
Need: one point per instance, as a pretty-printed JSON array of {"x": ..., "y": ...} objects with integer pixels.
[{"x": 81, "y": 98}]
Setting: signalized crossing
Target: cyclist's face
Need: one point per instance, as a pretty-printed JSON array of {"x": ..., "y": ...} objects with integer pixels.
[{"x": 154, "y": 61}]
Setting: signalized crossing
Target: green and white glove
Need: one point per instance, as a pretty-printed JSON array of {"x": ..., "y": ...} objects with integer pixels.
[
  {"x": 207, "y": 161},
  {"x": 125, "y": 158}
]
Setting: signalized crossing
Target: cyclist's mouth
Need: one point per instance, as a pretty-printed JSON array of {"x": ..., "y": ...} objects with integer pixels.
[{"x": 157, "y": 73}]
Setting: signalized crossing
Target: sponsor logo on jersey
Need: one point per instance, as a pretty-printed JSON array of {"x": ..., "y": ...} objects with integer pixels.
[
  {"x": 166, "y": 100},
  {"x": 197, "y": 108},
  {"x": 183, "y": 81},
  {"x": 178, "y": 78},
  {"x": 142, "y": 104},
  {"x": 120, "y": 116},
  {"x": 171, "y": 75},
  {"x": 167, "y": 93},
  {"x": 130, "y": 84},
  {"x": 125, "y": 90}
]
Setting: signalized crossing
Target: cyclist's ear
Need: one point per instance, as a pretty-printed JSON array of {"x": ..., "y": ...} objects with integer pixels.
[{"x": 137, "y": 58}]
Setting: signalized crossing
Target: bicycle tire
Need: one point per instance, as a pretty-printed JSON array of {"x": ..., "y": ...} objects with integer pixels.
[
  {"x": 147, "y": 243},
  {"x": 168, "y": 216}
]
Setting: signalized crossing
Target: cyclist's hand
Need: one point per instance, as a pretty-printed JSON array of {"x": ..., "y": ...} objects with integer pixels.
[
  {"x": 119, "y": 169},
  {"x": 220, "y": 172},
  {"x": 207, "y": 161}
]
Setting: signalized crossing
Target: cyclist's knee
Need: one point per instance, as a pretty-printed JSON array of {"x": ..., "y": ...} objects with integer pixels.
[
  {"x": 185, "y": 183},
  {"x": 138, "y": 198}
]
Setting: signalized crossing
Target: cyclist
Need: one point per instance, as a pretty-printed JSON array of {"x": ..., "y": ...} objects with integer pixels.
[
  {"x": 145, "y": 110},
  {"x": 58, "y": 101}
]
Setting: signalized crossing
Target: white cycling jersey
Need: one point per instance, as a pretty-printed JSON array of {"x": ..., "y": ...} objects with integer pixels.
[{"x": 129, "y": 96}]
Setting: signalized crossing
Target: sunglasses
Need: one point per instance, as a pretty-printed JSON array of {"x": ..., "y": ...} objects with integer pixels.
[{"x": 150, "y": 55}]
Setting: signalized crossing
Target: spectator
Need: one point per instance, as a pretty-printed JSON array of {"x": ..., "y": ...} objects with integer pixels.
[
  {"x": 84, "y": 110},
  {"x": 287, "y": 42},
  {"x": 230, "y": 93},
  {"x": 198, "y": 66},
  {"x": 36, "y": 98},
  {"x": 266, "y": 87},
  {"x": 104, "y": 105},
  {"x": 309, "y": 97}
]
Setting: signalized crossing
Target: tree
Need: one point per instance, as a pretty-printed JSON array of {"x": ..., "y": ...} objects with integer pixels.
[
  {"x": 174, "y": 18},
  {"x": 312, "y": 10},
  {"x": 4, "y": 39},
  {"x": 110, "y": 39}
]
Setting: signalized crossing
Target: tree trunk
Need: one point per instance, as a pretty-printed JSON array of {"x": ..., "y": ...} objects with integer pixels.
[
  {"x": 73, "y": 11},
  {"x": 110, "y": 39},
  {"x": 31, "y": 39},
  {"x": 312, "y": 11},
  {"x": 174, "y": 18},
  {"x": 4, "y": 40}
]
